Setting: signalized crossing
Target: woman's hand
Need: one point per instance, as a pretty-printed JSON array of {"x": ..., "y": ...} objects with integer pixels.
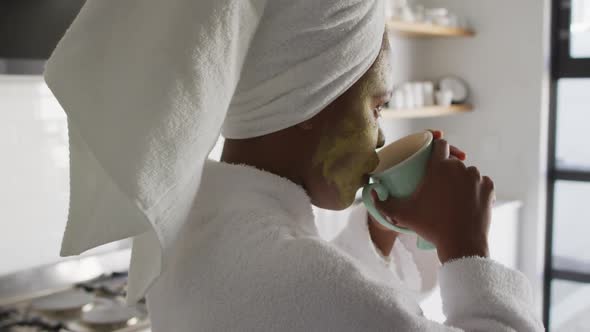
[
  {"x": 454, "y": 152},
  {"x": 451, "y": 207}
]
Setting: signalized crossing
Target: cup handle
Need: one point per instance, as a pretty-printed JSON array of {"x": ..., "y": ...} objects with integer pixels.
[{"x": 382, "y": 195}]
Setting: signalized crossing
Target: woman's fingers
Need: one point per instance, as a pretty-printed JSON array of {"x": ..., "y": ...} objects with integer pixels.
[
  {"x": 474, "y": 173},
  {"x": 440, "y": 150},
  {"x": 392, "y": 209},
  {"x": 488, "y": 183},
  {"x": 458, "y": 153},
  {"x": 437, "y": 134},
  {"x": 454, "y": 151},
  {"x": 489, "y": 190}
]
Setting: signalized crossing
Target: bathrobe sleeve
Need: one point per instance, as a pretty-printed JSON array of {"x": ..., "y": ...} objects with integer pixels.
[
  {"x": 478, "y": 294},
  {"x": 417, "y": 269},
  {"x": 334, "y": 294}
]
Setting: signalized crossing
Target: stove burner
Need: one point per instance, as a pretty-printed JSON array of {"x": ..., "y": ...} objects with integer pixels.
[
  {"x": 93, "y": 306},
  {"x": 34, "y": 324},
  {"x": 113, "y": 284},
  {"x": 7, "y": 315},
  {"x": 109, "y": 314},
  {"x": 73, "y": 299}
]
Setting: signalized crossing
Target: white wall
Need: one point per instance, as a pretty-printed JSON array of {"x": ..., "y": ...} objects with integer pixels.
[
  {"x": 34, "y": 168},
  {"x": 505, "y": 65}
]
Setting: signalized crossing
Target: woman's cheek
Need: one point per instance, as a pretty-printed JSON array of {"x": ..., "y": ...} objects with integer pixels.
[
  {"x": 348, "y": 153},
  {"x": 371, "y": 135}
]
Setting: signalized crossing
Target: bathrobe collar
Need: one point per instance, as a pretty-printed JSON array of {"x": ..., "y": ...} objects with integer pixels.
[{"x": 250, "y": 188}]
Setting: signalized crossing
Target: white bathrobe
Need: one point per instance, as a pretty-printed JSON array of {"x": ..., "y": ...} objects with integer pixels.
[{"x": 250, "y": 259}]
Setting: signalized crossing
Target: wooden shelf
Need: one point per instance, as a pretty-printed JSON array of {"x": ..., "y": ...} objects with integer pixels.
[
  {"x": 427, "y": 30},
  {"x": 426, "y": 112}
]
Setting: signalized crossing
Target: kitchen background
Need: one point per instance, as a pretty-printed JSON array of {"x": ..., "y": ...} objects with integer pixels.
[{"x": 506, "y": 80}]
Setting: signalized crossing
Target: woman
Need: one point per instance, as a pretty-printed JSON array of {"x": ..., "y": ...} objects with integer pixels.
[{"x": 232, "y": 245}]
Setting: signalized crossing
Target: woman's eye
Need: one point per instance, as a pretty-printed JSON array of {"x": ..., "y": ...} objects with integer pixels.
[{"x": 377, "y": 111}]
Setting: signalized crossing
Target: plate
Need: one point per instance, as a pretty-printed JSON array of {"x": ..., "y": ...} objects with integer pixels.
[
  {"x": 457, "y": 86},
  {"x": 68, "y": 300},
  {"x": 108, "y": 314}
]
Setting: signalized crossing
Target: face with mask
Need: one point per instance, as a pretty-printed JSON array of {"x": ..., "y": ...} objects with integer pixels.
[
  {"x": 348, "y": 133},
  {"x": 331, "y": 154}
]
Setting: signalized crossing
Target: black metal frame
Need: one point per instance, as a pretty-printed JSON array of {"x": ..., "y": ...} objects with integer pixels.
[
  {"x": 562, "y": 66},
  {"x": 571, "y": 275},
  {"x": 566, "y": 66}
]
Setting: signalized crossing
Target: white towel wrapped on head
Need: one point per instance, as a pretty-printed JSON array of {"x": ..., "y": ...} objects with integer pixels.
[{"x": 148, "y": 84}]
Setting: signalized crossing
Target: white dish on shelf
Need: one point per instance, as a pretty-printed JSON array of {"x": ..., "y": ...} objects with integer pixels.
[
  {"x": 457, "y": 86},
  {"x": 444, "y": 98}
]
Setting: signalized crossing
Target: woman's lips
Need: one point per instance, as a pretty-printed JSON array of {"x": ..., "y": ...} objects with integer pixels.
[
  {"x": 375, "y": 164},
  {"x": 372, "y": 167}
]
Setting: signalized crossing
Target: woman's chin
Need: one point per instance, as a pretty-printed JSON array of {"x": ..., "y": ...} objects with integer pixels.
[
  {"x": 338, "y": 202},
  {"x": 348, "y": 197},
  {"x": 342, "y": 196}
]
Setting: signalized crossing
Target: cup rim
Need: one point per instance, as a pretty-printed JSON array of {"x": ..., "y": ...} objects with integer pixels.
[{"x": 427, "y": 142}]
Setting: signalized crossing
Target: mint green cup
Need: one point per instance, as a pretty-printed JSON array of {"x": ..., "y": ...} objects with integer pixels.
[{"x": 401, "y": 169}]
